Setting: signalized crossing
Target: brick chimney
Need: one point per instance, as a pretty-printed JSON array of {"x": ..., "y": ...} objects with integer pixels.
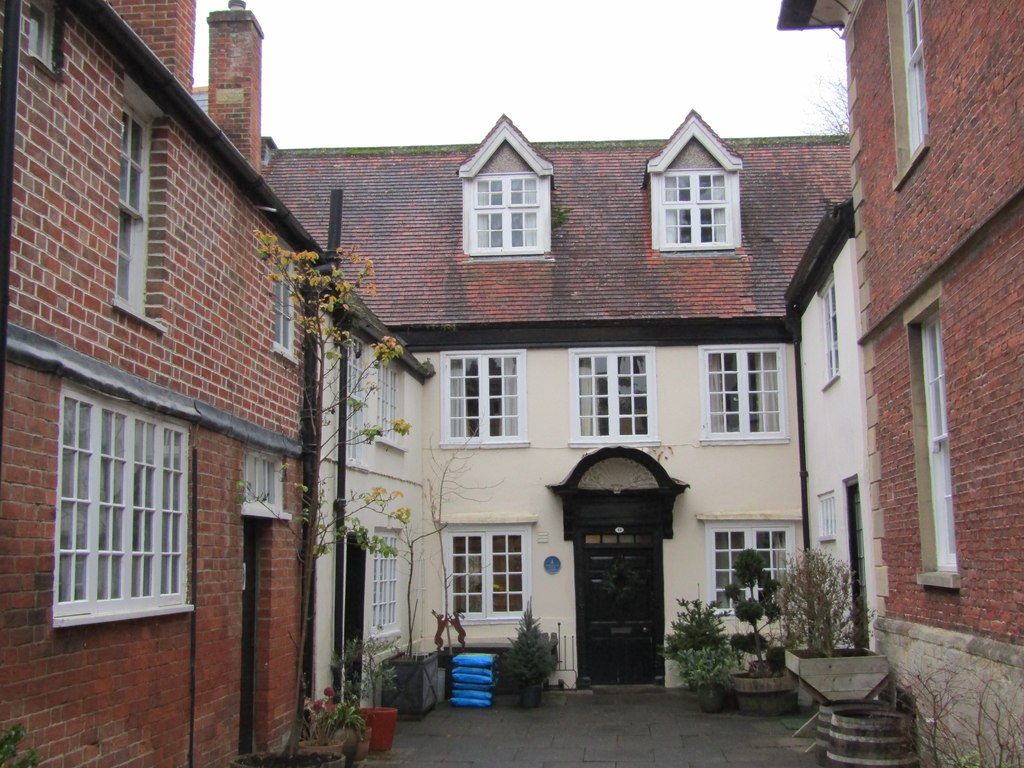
[
  {"x": 236, "y": 60},
  {"x": 168, "y": 27}
]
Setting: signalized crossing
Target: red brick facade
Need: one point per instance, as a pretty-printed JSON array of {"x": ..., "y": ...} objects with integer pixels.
[
  {"x": 946, "y": 234},
  {"x": 118, "y": 693}
]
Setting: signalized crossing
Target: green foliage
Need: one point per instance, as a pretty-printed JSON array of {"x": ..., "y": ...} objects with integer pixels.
[
  {"x": 531, "y": 659},
  {"x": 701, "y": 667},
  {"x": 816, "y": 604},
  {"x": 753, "y": 592},
  {"x": 325, "y": 717},
  {"x": 697, "y": 626},
  {"x": 9, "y": 754},
  {"x": 366, "y": 667}
]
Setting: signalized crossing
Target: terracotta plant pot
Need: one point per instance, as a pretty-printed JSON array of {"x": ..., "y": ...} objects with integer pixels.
[
  {"x": 381, "y": 721},
  {"x": 303, "y": 760}
]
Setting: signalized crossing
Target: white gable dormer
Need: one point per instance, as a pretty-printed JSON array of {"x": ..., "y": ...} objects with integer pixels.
[
  {"x": 695, "y": 192},
  {"x": 506, "y": 196}
]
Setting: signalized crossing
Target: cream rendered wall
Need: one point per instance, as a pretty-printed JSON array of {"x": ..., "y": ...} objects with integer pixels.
[
  {"x": 834, "y": 415},
  {"x": 395, "y": 466},
  {"x": 727, "y": 482}
]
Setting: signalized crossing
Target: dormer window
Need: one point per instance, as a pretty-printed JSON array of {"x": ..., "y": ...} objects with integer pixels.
[
  {"x": 506, "y": 197},
  {"x": 695, "y": 192},
  {"x": 507, "y": 213}
]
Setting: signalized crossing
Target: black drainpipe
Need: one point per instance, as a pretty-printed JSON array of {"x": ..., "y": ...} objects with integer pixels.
[
  {"x": 793, "y": 321},
  {"x": 340, "y": 546},
  {"x": 8, "y": 124}
]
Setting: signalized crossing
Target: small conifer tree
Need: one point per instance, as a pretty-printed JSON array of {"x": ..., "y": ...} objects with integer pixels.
[{"x": 530, "y": 660}]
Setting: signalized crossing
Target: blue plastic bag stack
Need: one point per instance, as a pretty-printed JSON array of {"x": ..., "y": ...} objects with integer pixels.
[{"x": 473, "y": 680}]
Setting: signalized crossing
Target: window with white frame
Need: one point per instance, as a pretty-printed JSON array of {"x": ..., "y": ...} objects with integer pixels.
[
  {"x": 507, "y": 214},
  {"x": 384, "y": 608},
  {"x": 121, "y": 511},
  {"x": 695, "y": 209},
  {"x": 917, "y": 103},
  {"x": 830, "y": 330},
  {"x": 133, "y": 200},
  {"x": 263, "y": 496},
  {"x": 389, "y": 400},
  {"x": 938, "y": 444},
  {"x": 355, "y": 403},
  {"x": 613, "y": 397},
  {"x": 484, "y": 397},
  {"x": 827, "y": 516},
  {"x": 774, "y": 542},
  {"x": 489, "y": 572},
  {"x": 40, "y": 17},
  {"x": 284, "y": 317},
  {"x": 743, "y": 393}
]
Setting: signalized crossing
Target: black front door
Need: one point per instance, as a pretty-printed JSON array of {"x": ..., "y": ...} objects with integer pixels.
[{"x": 621, "y": 584}]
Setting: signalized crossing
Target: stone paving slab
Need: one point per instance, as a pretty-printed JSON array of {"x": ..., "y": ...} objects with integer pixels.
[{"x": 585, "y": 729}]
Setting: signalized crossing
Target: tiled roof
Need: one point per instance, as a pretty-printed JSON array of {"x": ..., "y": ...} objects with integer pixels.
[{"x": 403, "y": 207}]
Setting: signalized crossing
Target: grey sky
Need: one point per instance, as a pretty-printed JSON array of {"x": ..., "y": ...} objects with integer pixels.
[{"x": 343, "y": 73}]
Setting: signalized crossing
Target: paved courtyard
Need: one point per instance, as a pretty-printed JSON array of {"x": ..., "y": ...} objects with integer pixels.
[{"x": 611, "y": 729}]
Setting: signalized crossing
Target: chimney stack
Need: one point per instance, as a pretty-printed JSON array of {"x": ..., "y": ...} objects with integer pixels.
[
  {"x": 236, "y": 61},
  {"x": 168, "y": 27}
]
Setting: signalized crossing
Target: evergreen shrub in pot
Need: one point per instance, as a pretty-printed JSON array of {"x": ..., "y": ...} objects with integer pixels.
[{"x": 530, "y": 659}]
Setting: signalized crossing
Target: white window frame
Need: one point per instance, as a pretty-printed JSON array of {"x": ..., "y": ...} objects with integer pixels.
[
  {"x": 663, "y": 206},
  {"x": 614, "y": 416},
  {"x": 827, "y": 516},
  {"x": 913, "y": 48},
  {"x": 453, "y": 402},
  {"x": 488, "y": 587},
  {"x": 749, "y": 532},
  {"x": 745, "y": 434},
  {"x": 107, "y": 566},
  {"x": 264, "y": 486},
  {"x": 284, "y": 318},
  {"x": 830, "y": 330},
  {"x": 938, "y": 445},
  {"x": 389, "y": 401},
  {"x": 355, "y": 419},
  {"x": 384, "y": 586},
  {"x": 503, "y": 207},
  {"x": 41, "y": 25},
  {"x": 133, "y": 210}
]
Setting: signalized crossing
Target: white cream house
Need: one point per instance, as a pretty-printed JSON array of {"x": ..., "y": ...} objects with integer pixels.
[{"x": 614, "y": 395}]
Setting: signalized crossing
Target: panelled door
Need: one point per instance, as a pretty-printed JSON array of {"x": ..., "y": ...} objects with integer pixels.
[{"x": 620, "y": 609}]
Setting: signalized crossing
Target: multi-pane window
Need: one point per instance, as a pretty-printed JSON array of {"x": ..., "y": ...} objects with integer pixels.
[
  {"x": 488, "y": 573},
  {"x": 743, "y": 393},
  {"x": 830, "y": 330},
  {"x": 133, "y": 203},
  {"x": 384, "y": 609},
  {"x": 284, "y": 317},
  {"x": 696, "y": 210},
  {"x": 263, "y": 495},
  {"x": 121, "y": 512},
  {"x": 938, "y": 444},
  {"x": 40, "y": 31},
  {"x": 355, "y": 410},
  {"x": 506, "y": 213},
  {"x": 917, "y": 103},
  {"x": 613, "y": 395},
  {"x": 827, "y": 516},
  {"x": 773, "y": 543},
  {"x": 484, "y": 397},
  {"x": 388, "y": 400}
]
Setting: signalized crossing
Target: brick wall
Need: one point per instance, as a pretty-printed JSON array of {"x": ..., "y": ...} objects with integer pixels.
[
  {"x": 118, "y": 693},
  {"x": 168, "y": 28},
  {"x": 954, "y": 226}
]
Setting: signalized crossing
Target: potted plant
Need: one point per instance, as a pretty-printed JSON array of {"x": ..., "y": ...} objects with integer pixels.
[
  {"x": 766, "y": 688},
  {"x": 823, "y": 636},
  {"x": 700, "y": 649},
  {"x": 530, "y": 659},
  {"x": 367, "y": 665},
  {"x": 332, "y": 726}
]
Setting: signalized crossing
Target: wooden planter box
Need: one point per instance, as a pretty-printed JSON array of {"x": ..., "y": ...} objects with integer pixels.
[
  {"x": 852, "y": 675},
  {"x": 413, "y": 695}
]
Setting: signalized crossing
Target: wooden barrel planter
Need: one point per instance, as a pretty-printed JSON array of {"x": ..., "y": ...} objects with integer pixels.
[
  {"x": 823, "y": 722},
  {"x": 871, "y": 737}
]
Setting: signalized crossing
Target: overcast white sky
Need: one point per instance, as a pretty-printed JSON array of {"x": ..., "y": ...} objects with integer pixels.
[{"x": 357, "y": 73}]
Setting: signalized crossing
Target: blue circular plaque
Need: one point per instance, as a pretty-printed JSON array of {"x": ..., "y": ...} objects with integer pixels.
[{"x": 552, "y": 564}]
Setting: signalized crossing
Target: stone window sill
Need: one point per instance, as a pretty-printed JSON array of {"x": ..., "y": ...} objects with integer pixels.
[{"x": 939, "y": 579}]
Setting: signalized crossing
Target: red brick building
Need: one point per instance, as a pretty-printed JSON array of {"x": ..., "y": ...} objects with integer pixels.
[
  {"x": 938, "y": 169},
  {"x": 151, "y": 376}
]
